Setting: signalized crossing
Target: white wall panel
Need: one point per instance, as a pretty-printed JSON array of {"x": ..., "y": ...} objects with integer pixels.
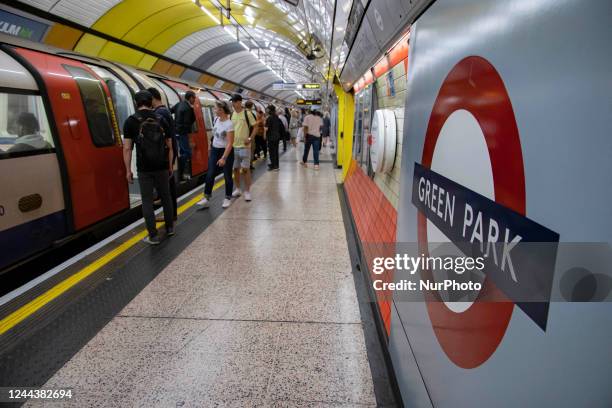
[{"x": 193, "y": 46}]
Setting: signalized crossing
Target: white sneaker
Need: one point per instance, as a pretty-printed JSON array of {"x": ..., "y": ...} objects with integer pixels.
[
  {"x": 236, "y": 193},
  {"x": 226, "y": 203},
  {"x": 203, "y": 203},
  {"x": 247, "y": 196}
]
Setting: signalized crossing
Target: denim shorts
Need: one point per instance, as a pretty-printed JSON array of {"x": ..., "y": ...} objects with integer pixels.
[{"x": 242, "y": 157}]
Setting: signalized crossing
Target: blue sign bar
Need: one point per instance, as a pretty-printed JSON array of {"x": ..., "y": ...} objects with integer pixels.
[{"x": 519, "y": 253}]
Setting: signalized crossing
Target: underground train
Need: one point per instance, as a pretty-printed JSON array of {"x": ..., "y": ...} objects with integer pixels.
[{"x": 61, "y": 164}]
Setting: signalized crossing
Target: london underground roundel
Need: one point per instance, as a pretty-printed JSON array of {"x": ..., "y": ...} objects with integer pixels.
[{"x": 472, "y": 138}]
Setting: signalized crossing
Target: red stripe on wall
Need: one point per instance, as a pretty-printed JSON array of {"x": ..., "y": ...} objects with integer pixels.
[{"x": 376, "y": 222}]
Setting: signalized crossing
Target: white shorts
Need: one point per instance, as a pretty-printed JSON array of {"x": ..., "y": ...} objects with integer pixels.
[{"x": 242, "y": 157}]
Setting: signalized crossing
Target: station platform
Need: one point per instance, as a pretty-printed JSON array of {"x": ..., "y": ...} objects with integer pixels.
[{"x": 255, "y": 305}]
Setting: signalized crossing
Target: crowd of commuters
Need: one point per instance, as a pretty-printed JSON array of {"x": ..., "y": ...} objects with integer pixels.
[{"x": 241, "y": 135}]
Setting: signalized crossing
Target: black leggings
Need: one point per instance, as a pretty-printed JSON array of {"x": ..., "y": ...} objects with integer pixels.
[
  {"x": 260, "y": 146},
  {"x": 273, "y": 148},
  {"x": 214, "y": 155}
]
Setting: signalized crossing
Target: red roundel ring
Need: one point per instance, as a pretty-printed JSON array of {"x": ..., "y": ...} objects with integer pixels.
[{"x": 469, "y": 338}]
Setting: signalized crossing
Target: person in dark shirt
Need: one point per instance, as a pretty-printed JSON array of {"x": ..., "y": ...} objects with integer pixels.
[
  {"x": 163, "y": 111},
  {"x": 326, "y": 129},
  {"x": 274, "y": 132},
  {"x": 184, "y": 120},
  {"x": 150, "y": 175}
]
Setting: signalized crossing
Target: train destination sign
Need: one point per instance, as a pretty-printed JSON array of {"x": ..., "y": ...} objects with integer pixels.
[
  {"x": 292, "y": 86},
  {"x": 308, "y": 101}
]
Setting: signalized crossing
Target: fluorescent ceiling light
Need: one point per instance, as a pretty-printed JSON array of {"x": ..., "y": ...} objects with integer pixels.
[{"x": 211, "y": 15}]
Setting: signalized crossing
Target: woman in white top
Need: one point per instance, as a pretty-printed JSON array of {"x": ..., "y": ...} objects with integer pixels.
[{"x": 221, "y": 155}]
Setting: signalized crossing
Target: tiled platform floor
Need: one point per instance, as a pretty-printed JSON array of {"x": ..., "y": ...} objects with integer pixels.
[{"x": 260, "y": 310}]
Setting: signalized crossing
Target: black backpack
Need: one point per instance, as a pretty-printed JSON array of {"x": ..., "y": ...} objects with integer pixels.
[{"x": 152, "y": 149}]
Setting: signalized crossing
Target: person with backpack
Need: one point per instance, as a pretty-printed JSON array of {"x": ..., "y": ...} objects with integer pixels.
[
  {"x": 244, "y": 136},
  {"x": 153, "y": 139},
  {"x": 221, "y": 155},
  {"x": 163, "y": 111},
  {"x": 274, "y": 131},
  {"x": 184, "y": 121}
]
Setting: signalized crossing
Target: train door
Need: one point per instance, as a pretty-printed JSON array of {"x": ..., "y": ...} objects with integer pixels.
[
  {"x": 199, "y": 154},
  {"x": 207, "y": 102},
  {"x": 88, "y": 133},
  {"x": 32, "y": 206},
  {"x": 123, "y": 101}
]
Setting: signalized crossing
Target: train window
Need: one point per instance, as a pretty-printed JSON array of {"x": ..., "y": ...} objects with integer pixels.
[
  {"x": 207, "y": 116},
  {"x": 173, "y": 98},
  {"x": 23, "y": 125},
  {"x": 120, "y": 93},
  {"x": 96, "y": 109}
]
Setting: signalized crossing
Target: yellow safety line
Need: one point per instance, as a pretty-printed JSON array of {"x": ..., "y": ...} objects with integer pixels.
[{"x": 26, "y": 310}]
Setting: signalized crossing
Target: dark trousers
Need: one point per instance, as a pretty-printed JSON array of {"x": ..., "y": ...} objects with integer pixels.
[
  {"x": 273, "y": 149},
  {"x": 215, "y": 154},
  {"x": 315, "y": 142},
  {"x": 260, "y": 146},
  {"x": 158, "y": 180},
  {"x": 173, "y": 195},
  {"x": 184, "y": 154}
]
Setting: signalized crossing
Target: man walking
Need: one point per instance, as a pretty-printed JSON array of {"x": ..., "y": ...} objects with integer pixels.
[
  {"x": 244, "y": 134},
  {"x": 185, "y": 118},
  {"x": 312, "y": 131},
  {"x": 152, "y": 136}
]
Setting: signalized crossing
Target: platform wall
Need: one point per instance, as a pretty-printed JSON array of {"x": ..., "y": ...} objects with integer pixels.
[{"x": 528, "y": 83}]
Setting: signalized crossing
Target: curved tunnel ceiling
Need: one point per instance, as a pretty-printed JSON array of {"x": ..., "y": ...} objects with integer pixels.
[{"x": 255, "y": 48}]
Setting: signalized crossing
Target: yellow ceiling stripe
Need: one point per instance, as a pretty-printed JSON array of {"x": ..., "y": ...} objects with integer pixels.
[
  {"x": 169, "y": 18},
  {"x": 90, "y": 45},
  {"x": 120, "y": 53},
  {"x": 163, "y": 23},
  {"x": 147, "y": 62},
  {"x": 119, "y": 20}
]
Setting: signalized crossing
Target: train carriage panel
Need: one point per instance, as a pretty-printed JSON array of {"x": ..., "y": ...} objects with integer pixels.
[
  {"x": 32, "y": 209},
  {"x": 88, "y": 132}
]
